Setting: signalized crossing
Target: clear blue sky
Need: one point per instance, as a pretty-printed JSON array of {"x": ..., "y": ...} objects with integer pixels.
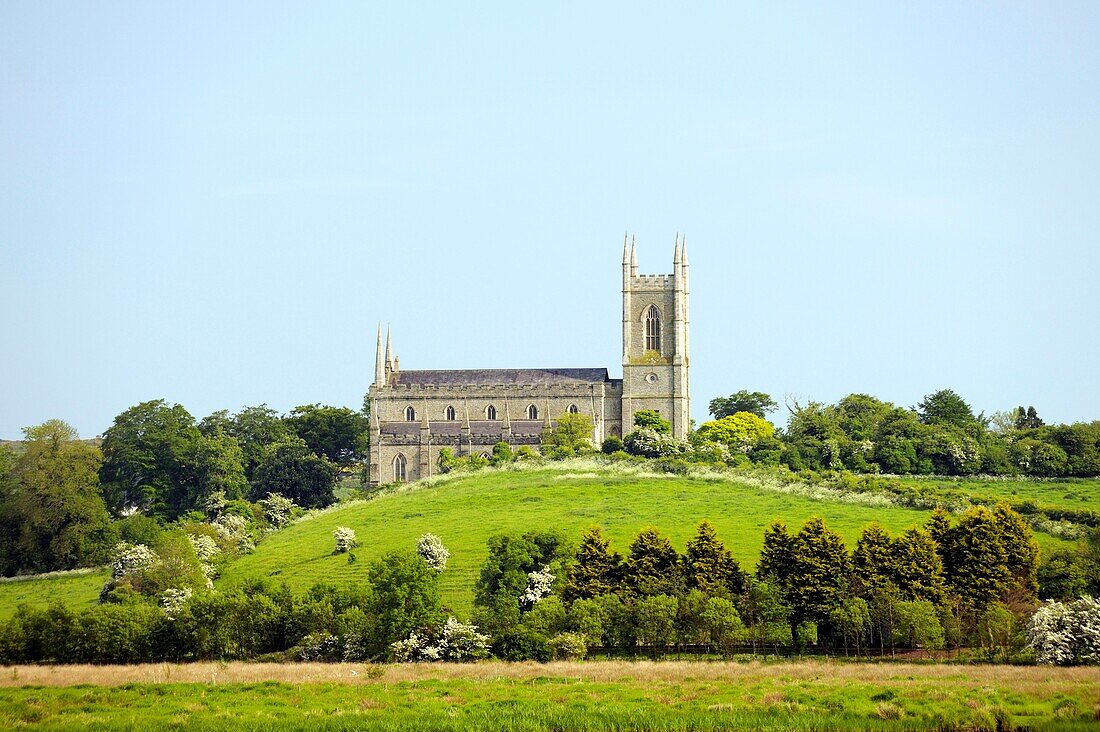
[{"x": 216, "y": 205}]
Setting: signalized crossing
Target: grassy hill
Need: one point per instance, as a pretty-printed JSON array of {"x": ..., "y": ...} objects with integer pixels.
[{"x": 465, "y": 510}]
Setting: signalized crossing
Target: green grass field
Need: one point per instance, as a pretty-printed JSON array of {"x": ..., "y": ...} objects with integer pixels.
[
  {"x": 808, "y": 695},
  {"x": 1078, "y": 493},
  {"x": 465, "y": 510}
]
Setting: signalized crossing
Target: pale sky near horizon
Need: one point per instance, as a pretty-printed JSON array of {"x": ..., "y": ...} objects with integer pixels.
[{"x": 215, "y": 203}]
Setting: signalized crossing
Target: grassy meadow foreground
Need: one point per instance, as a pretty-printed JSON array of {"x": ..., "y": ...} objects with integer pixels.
[
  {"x": 562, "y": 696},
  {"x": 465, "y": 510}
]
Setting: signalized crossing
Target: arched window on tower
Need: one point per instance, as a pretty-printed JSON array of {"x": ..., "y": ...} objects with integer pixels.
[
  {"x": 652, "y": 329},
  {"x": 573, "y": 409},
  {"x": 532, "y": 412},
  {"x": 410, "y": 414},
  {"x": 490, "y": 412},
  {"x": 450, "y": 414},
  {"x": 400, "y": 464}
]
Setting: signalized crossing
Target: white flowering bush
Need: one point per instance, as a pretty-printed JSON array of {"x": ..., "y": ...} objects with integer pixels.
[
  {"x": 130, "y": 559},
  {"x": 539, "y": 584},
  {"x": 234, "y": 531},
  {"x": 215, "y": 504},
  {"x": 206, "y": 549},
  {"x": 1065, "y": 634},
  {"x": 319, "y": 647},
  {"x": 455, "y": 641},
  {"x": 650, "y": 443},
  {"x": 431, "y": 548},
  {"x": 173, "y": 600},
  {"x": 345, "y": 539},
  {"x": 278, "y": 510}
]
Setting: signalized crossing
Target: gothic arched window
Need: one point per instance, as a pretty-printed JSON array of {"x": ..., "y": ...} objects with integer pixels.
[
  {"x": 410, "y": 414},
  {"x": 450, "y": 414},
  {"x": 490, "y": 412},
  {"x": 532, "y": 412},
  {"x": 652, "y": 329},
  {"x": 573, "y": 409},
  {"x": 399, "y": 467}
]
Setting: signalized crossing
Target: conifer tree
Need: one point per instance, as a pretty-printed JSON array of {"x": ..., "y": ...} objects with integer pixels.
[
  {"x": 819, "y": 573},
  {"x": 938, "y": 526},
  {"x": 974, "y": 559},
  {"x": 777, "y": 555},
  {"x": 1021, "y": 551},
  {"x": 596, "y": 570},
  {"x": 873, "y": 561},
  {"x": 709, "y": 566},
  {"x": 918, "y": 569},
  {"x": 652, "y": 568}
]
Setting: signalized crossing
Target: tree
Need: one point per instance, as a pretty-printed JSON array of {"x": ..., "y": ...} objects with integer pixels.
[
  {"x": 738, "y": 431},
  {"x": 506, "y": 573},
  {"x": 1021, "y": 551},
  {"x": 405, "y": 597},
  {"x": 753, "y": 402},
  {"x": 722, "y": 623},
  {"x": 291, "y": 469},
  {"x": 873, "y": 561},
  {"x": 918, "y": 624},
  {"x": 975, "y": 561},
  {"x": 764, "y": 611},
  {"x": 571, "y": 434},
  {"x": 147, "y": 459},
  {"x": 51, "y": 513},
  {"x": 1027, "y": 419},
  {"x": 945, "y": 407},
  {"x": 709, "y": 566},
  {"x": 918, "y": 569},
  {"x": 651, "y": 419},
  {"x": 218, "y": 466},
  {"x": 652, "y": 565},
  {"x": 853, "y": 619},
  {"x": 777, "y": 555},
  {"x": 595, "y": 569},
  {"x": 256, "y": 429},
  {"x": 337, "y": 433},
  {"x": 655, "y": 617},
  {"x": 819, "y": 573}
]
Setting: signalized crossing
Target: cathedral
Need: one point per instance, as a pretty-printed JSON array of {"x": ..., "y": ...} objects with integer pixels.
[{"x": 416, "y": 413}]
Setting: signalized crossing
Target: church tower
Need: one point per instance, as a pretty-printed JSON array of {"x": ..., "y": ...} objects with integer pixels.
[{"x": 655, "y": 341}]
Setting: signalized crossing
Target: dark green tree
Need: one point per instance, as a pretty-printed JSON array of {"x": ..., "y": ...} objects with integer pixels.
[
  {"x": 595, "y": 569},
  {"x": 256, "y": 429},
  {"x": 873, "y": 561},
  {"x": 776, "y": 561},
  {"x": 709, "y": 566},
  {"x": 1027, "y": 419},
  {"x": 504, "y": 576},
  {"x": 945, "y": 407},
  {"x": 918, "y": 568},
  {"x": 147, "y": 459},
  {"x": 975, "y": 561},
  {"x": 292, "y": 470},
  {"x": 652, "y": 566},
  {"x": 1021, "y": 551},
  {"x": 337, "y": 433},
  {"x": 756, "y": 402},
  {"x": 820, "y": 573}
]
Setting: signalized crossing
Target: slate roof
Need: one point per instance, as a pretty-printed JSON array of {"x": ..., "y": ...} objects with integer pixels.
[{"x": 500, "y": 377}]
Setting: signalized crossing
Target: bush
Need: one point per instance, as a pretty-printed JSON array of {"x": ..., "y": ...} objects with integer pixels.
[
  {"x": 431, "y": 549},
  {"x": 568, "y": 646},
  {"x": 611, "y": 445},
  {"x": 455, "y": 641},
  {"x": 345, "y": 539},
  {"x": 1066, "y": 634}
]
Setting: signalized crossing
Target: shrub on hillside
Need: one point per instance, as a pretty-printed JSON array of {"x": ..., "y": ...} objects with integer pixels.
[
  {"x": 345, "y": 539},
  {"x": 431, "y": 548},
  {"x": 1066, "y": 634}
]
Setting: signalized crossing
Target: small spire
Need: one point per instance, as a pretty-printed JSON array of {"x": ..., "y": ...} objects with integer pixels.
[
  {"x": 466, "y": 412},
  {"x": 626, "y": 259},
  {"x": 507, "y": 415},
  {"x": 684, "y": 253},
  {"x": 546, "y": 417},
  {"x": 633, "y": 258},
  {"x": 379, "y": 366},
  {"x": 389, "y": 347},
  {"x": 676, "y": 256}
]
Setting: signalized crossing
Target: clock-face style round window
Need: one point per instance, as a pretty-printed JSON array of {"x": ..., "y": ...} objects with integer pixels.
[{"x": 651, "y": 378}]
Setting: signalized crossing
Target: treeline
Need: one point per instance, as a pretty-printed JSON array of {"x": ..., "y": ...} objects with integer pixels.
[
  {"x": 940, "y": 436},
  {"x": 66, "y": 503},
  {"x": 942, "y": 585},
  {"x": 970, "y": 583}
]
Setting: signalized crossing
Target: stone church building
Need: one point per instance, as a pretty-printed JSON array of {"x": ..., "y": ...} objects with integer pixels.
[{"x": 416, "y": 413}]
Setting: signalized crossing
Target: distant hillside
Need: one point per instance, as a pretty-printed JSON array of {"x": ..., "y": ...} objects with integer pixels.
[{"x": 465, "y": 510}]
